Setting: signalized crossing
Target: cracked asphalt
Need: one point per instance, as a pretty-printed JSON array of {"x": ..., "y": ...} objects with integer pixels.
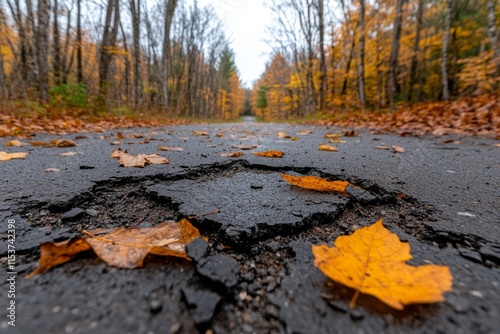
[{"x": 255, "y": 274}]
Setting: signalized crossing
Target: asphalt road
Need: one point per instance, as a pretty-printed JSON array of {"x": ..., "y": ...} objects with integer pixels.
[{"x": 256, "y": 274}]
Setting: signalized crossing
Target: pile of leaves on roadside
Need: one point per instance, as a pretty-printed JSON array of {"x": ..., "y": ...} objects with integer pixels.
[
  {"x": 471, "y": 116},
  {"x": 28, "y": 123}
]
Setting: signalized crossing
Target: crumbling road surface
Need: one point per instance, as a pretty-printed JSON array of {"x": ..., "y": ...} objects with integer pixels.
[{"x": 256, "y": 273}]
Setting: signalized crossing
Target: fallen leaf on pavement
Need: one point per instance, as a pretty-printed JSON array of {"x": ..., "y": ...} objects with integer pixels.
[
  {"x": 244, "y": 147},
  {"x": 117, "y": 153},
  {"x": 200, "y": 133},
  {"x": 304, "y": 132},
  {"x": 122, "y": 247},
  {"x": 332, "y": 135},
  {"x": 69, "y": 154},
  {"x": 153, "y": 159},
  {"x": 170, "y": 148},
  {"x": 63, "y": 143},
  {"x": 315, "y": 183},
  {"x": 337, "y": 141},
  {"x": 41, "y": 143},
  {"x": 4, "y": 156},
  {"x": 282, "y": 135},
  {"x": 232, "y": 154},
  {"x": 398, "y": 149},
  {"x": 372, "y": 261},
  {"x": 325, "y": 147},
  {"x": 351, "y": 133},
  {"x": 382, "y": 147},
  {"x": 52, "y": 170},
  {"x": 270, "y": 154},
  {"x": 129, "y": 160},
  {"x": 54, "y": 253},
  {"x": 116, "y": 142},
  {"x": 15, "y": 143}
]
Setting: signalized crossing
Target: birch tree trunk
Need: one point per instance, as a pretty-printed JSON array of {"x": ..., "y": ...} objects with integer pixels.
[
  {"x": 361, "y": 50},
  {"x": 43, "y": 48},
  {"x": 446, "y": 46},
  {"x": 393, "y": 60}
]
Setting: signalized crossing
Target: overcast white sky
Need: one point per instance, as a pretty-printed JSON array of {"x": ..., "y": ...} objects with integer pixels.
[{"x": 246, "y": 22}]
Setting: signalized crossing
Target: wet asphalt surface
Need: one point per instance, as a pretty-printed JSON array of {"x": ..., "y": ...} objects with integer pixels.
[{"x": 256, "y": 273}]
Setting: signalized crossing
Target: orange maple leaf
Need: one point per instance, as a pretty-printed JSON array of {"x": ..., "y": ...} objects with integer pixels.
[
  {"x": 372, "y": 261},
  {"x": 315, "y": 183},
  {"x": 270, "y": 154}
]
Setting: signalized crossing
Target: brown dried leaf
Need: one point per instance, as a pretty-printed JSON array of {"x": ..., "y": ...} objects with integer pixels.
[
  {"x": 63, "y": 143},
  {"x": 41, "y": 143},
  {"x": 128, "y": 160},
  {"x": 398, "y": 149},
  {"x": 69, "y": 154},
  {"x": 200, "y": 133},
  {"x": 332, "y": 135},
  {"x": 4, "y": 156},
  {"x": 15, "y": 143},
  {"x": 54, "y": 253},
  {"x": 325, "y": 147},
  {"x": 244, "y": 147},
  {"x": 153, "y": 159},
  {"x": 351, "y": 133},
  {"x": 282, "y": 135},
  {"x": 52, "y": 170},
  {"x": 116, "y": 153},
  {"x": 382, "y": 147},
  {"x": 270, "y": 154},
  {"x": 232, "y": 154},
  {"x": 170, "y": 148},
  {"x": 122, "y": 247}
]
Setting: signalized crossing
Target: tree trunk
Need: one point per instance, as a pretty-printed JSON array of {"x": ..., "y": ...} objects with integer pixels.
[
  {"x": 493, "y": 36},
  {"x": 107, "y": 45},
  {"x": 43, "y": 48},
  {"x": 135, "y": 11},
  {"x": 393, "y": 60},
  {"x": 3, "y": 85},
  {"x": 446, "y": 45},
  {"x": 361, "y": 49},
  {"x": 56, "y": 61},
  {"x": 321, "y": 28},
  {"x": 416, "y": 50},
  {"x": 348, "y": 66},
  {"x": 170, "y": 6},
  {"x": 127, "y": 64},
  {"x": 79, "y": 64}
]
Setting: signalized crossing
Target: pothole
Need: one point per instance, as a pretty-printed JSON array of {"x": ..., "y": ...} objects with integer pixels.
[{"x": 264, "y": 224}]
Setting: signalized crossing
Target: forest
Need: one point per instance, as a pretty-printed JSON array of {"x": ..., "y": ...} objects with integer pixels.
[{"x": 176, "y": 58}]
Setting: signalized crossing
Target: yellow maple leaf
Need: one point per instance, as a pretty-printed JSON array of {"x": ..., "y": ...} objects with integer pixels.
[
  {"x": 270, "y": 154},
  {"x": 372, "y": 261},
  {"x": 315, "y": 183}
]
